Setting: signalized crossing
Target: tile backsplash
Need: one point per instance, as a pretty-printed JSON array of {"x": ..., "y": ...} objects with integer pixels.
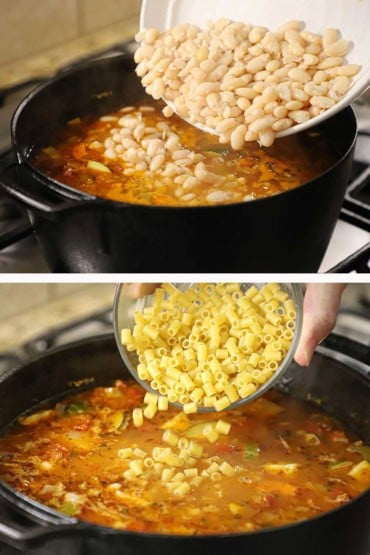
[{"x": 29, "y": 27}]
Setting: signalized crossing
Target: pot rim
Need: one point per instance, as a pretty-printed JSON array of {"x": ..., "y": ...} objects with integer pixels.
[
  {"x": 28, "y": 506},
  {"x": 68, "y": 192}
]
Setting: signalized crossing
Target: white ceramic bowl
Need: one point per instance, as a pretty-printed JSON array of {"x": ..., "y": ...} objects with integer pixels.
[
  {"x": 350, "y": 17},
  {"x": 123, "y": 317}
]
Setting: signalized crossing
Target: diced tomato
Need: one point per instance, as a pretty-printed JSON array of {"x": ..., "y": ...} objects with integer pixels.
[
  {"x": 135, "y": 395},
  {"x": 313, "y": 427},
  {"x": 55, "y": 452},
  {"x": 338, "y": 436},
  {"x": 79, "y": 151},
  {"x": 224, "y": 448},
  {"x": 81, "y": 422},
  {"x": 138, "y": 526}
]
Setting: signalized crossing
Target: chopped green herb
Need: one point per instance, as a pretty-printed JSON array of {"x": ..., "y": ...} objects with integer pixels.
[
  {"x": 251, "y": 451},
  {"x": 76, "y": 408},
  {"x": 342, "y": 464}
]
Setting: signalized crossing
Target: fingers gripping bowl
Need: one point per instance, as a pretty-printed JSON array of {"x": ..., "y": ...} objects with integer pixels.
[{"x": 209, "y": 346}]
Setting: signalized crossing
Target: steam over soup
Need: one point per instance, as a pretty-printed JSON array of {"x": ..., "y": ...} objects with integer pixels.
[
  {"x": 276, "y": 461},
  {"x": 137, "y": 156}
]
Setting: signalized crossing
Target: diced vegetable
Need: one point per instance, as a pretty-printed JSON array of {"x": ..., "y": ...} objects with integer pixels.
[
  {"x": 75, "y": 121},
  {"x": 251, "y": 451},
  {"x": 70, "y": 509},
  {"x": 361, "y": 472},
  {"x": 36, "y": 418},
  {"x": 341, "y": 464},
  {"x": 196, "y": 432},
  {"x": 98, "y": 166},
  {"x": 76, "y": 408},
  {"x": 235, "y": 508},
  {"x": 309, "y": 439},
  {"x": 287, "y": 469},
  {"x": 180, "y": 422}
]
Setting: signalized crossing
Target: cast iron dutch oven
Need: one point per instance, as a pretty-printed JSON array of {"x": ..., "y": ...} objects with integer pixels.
[
  {"x": 78, "y": 232},
  {"x": 341, "y": 382}
]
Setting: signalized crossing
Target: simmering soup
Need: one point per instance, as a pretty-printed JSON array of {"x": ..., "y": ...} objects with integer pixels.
[
  {"x": 136, "y": 155},
  {"x": 276, "y": 461}
]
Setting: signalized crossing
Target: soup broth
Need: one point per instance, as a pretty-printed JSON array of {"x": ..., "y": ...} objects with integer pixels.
[
  {"x": 135, "y": 155},
  {"x": 281, "y": 461}
]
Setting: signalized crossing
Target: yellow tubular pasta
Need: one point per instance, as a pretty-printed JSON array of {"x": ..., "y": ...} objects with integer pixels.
[
  {"x": 137, "y": 417},
  {"x": 210, "y": 433},
  {"x": 222, "y": 404},
  {"x": 170, "y": 437},
  {"x": 150, "y": 411},
  {"x": 222, "y": 427},
  {"x": 211, "y": 344}
]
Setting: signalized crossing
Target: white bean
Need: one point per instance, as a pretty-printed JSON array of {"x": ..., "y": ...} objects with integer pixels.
[
  {"x": 237, "y": 137},
  {"x": 156, "y": 163},
  {"x": 282, "y": 124}
]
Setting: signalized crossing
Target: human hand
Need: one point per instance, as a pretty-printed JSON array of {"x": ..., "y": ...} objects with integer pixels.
[
  {"x": 320, "y": 309},
  {"x": 137, "y": 290}
]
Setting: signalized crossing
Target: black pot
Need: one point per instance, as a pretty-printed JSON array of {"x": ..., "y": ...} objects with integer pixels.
[
  {"x": 288, "y": 232},
  {"x": 339, "y": 381}
]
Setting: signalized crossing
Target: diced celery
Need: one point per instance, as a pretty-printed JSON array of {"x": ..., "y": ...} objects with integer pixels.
[
  {"x": 98, "y": 166},
  {"x": 251, "y": 451}
]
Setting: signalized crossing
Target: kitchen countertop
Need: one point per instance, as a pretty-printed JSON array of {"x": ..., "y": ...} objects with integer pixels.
[
  {"x": 47, "y": 63},
  {"x": 41, "y": 319}
]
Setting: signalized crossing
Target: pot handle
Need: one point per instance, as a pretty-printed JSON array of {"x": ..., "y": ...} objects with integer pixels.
[
  {"x": 31, "y": 533},
  {"x": 355, "y": 354},
  {"x": 10, "y": 184}
]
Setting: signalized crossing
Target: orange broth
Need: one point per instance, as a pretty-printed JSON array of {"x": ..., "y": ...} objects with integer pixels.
[
  {"x": 67, "y": 457},
  {"x": 251, "y": 173}
]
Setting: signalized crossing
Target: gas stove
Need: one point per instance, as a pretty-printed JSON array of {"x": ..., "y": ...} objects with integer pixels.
[{"x": 348, "y": 251}]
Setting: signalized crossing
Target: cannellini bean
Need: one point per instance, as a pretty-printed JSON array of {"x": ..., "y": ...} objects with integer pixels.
[
  {"x": 290, "y": 25},
  {"x": 311, "y": 37},
  {"x": 348, "y": 70},
  {"x": 232, "y": 75},
  {"x": 151, "y": 35},
  {"x": 260, "y": 124},
  {"x": 341, "y": 84},
  {"x": 257, "y": 64},
  {"x": 110, "y": 153},
  {"x": 282, "y": 124},
  {"x": 156, "y": 163},
  {"x": 329, "y": 37},
  {"x": 320, "y": 77},
  {"x": 243, "y": 103},
  {"x": 218, "y": 196},
  {"x": 158, "y": 88},
  {"x": 266, "y": 137},
  {"x": 237, "y": 137},
  {"x": 299, "y": 75},
  {"x": 299, "y": 116},
  {"x": 246, "y": 92},
  {"x": 190, "y": 183},
  {"x": 294, "y": 105},
  {"x": 337, "y": 48},
  {"x": 168, "y": 111},
  {"x": 331, "y": 61},
  {"x": 280, "y": 112},
  {"x": 225, "y": 125}
]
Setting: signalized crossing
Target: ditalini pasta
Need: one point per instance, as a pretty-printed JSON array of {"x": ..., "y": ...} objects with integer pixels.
[{"x": 211, "y": 345}]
